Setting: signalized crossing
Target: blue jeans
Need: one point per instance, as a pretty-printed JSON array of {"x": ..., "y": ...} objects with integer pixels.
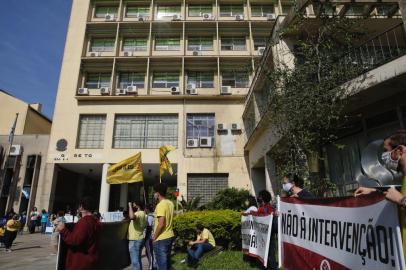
[
  {"x": 135, "y": 248},
  {"x": 43, "y": 227},
  {"x": 162, "y": 250},
  {"x": 196, "y": 252}
]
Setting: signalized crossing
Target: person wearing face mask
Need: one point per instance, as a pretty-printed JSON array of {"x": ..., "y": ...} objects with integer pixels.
[
  {"x": 163, "y": 232},
  {"x": 82, "y": 241},
  {"x": 395, "y": 145},
  {"x": 251, "y": 204},
  {"x": 136, "y": 233},
  {"x": 293, "y": 186}
]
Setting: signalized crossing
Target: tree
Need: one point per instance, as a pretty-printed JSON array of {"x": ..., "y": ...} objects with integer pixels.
[
  {"x": 229, "y": 198},
  {"x": 307, "y": 101}
]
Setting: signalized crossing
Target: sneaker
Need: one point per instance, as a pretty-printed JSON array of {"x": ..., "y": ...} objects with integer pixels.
[
  {"x": 183, "y": 261},
  {"x": 8, "y": 250}
]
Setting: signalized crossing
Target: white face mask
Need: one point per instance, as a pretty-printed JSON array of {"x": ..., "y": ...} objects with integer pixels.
[
  {"x": 389, "y": 162},
  {"x": 287, "y": 187},
  {"x": 156, "y": 196}
]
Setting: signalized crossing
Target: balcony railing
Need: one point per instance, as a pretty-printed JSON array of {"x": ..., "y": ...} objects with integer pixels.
[{"x": 378, "y": 50}]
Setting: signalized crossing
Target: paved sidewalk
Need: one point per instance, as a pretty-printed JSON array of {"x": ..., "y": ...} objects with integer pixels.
[{"x": 34, "y": 252}]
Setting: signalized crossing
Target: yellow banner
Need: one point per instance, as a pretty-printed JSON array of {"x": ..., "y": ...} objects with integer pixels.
[
  {"x": 126, "y": 171},
  {"x": 165, "y": 165}
]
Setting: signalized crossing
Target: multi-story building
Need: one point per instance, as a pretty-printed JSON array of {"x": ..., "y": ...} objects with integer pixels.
[
  {"x": 22, "y": 156},
  {"x": 377, "y": 96},
  {"x": 137, "y": 75}
]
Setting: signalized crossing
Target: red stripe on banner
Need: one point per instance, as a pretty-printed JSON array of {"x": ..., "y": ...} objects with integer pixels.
[
  {"x": 350, "y": 201},
  {"x": 246, "y": 252},
  {"x": 296, "y": 258}
]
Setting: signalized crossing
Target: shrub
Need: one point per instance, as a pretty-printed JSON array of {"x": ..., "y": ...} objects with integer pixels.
[
  {"x": 229, "y": 198},
  {"x": 225, "y": 225}
]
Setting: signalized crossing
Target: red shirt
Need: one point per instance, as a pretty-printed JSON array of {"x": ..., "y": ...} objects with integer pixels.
[
  {"x": 265, "y": 209},
  {"x": 82, "y": 244}
]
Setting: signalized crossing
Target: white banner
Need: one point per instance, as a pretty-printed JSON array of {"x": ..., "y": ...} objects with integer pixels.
[
  {"x": 256, "y": 234},
  {"x": 340, "y": 233},
  {"x": 112, "y": 216}
]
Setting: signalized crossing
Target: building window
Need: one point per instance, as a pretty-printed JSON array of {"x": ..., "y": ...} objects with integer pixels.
[
  {"x": 259, "y": 42},
  {"x": 200, "y": 125},
  {"x": 355, "y": 10},
  {"x": 137, "y": 12},
  {"x": 102, "y": 11},
  {"x": 167, "y": 44},
  {"x": 235, "y": 79},
  {"x": 102, "y": 45},
  {"x": 262, "y": 10},
  {"x": 286, "y": 9},
  {"x": 201, "y": 79},
  {"x": 91, "y": 131},
  {"x": 134, "y": 44},
  {"x": 231, "y": 10},
  {"x": 98, "y": 80},
  {"x": 131, "y": 79},
  {"x": 205, "y": 185},
  {"x": 233, "y": 44},
  {"x": 165, "y": 80},
  {"x": 199, "y": 10},
  {"x": 145, "y": 131},
  {"x": 200, "y": 44},
  {"x": 167, "y": 11}
]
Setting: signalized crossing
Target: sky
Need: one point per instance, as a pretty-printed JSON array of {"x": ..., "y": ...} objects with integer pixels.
[{"x": 32, "y": 40}]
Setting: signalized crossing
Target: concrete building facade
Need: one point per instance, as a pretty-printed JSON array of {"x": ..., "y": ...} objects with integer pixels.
[
  {"x": 376, "y": 96},
  {"x": 137, "y": 75},
  {"x": 23, "y": 162}
]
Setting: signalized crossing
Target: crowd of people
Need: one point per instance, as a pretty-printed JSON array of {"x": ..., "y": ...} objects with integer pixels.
[{"x": 151, "y": 226}]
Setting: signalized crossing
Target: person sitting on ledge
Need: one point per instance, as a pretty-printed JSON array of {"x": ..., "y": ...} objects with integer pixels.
[{"x": 204, "y": 242}]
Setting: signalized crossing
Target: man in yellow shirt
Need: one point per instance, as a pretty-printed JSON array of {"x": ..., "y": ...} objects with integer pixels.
[
  {"x": 163, "y": 232},
  {"x": 204, "y": 242},
  {"x": 136, "y": 229}
]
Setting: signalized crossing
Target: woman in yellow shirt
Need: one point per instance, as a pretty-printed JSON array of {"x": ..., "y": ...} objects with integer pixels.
[
  {"x": 10, "y": 234},
  {"x": 204, "y": 242}
]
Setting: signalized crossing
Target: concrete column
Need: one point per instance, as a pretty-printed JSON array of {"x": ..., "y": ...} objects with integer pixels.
[
  {"x": 123, "y": 195},
  {"x": 104, "y": 191},
  {"x": 268, "y": 175}
]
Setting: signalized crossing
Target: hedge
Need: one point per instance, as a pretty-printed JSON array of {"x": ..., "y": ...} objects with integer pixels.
[{"x": 225, "y": 225}]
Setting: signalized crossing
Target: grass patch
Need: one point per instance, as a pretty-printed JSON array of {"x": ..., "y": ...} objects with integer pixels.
[{"x": 226, "y": 260}]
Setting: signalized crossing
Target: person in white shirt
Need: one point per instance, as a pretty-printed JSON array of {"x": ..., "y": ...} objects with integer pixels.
[{"x": 251, "y": 204}]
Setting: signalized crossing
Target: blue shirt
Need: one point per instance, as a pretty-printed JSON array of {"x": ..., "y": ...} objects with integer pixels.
[{"x": 44, "y": 218}]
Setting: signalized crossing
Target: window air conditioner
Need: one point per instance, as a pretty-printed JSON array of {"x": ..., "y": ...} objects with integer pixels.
[
  {"x": 132, "y": 89},
  {"x": 239, "y": 17},
  {"x": 196, "y": 52},
  {"x": 16, "y": 150},
  {"x": 121, "y": 92},
  {"x": 221, "y": 127},
  {"x": 192, "y": 143},
  {"x": 261, "y": 50},
  {"x": 83, "y": 92},
  {"x": 270, "y": 16},
  {"x": 94, "y": 54},
  {"x": 206, "y": 141},
  {"x": 176, "y": 17},
  {"x": 128, "y": 53},
  {"x": 235, "y": 127},
  {"x": 225, "y": 90},
  {"x": 175, "y": 90},
  {"x": 104, "y": 91},
  {"x": 109, "y": 17},
  {"x": 191, "y": 89},
  {"x": 207, "y": 17}
]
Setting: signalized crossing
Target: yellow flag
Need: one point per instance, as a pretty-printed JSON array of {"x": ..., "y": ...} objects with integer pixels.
[
  {"x": 165, "y": 165},
  {"x": 126, "y": 171}
]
